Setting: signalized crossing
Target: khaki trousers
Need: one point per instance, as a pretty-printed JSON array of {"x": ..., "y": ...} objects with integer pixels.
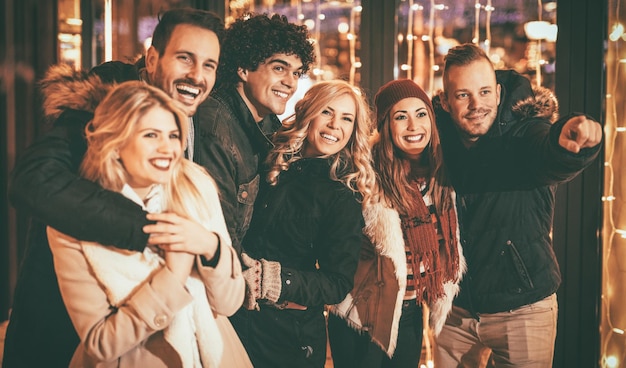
[{"x": 520, "y": 338}]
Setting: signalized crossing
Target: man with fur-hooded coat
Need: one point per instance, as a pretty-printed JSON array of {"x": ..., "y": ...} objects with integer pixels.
[{"x": 506, "y": 152}]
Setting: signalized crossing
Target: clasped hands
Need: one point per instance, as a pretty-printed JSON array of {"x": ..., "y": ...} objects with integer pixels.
[{"x": 181, "y": 240}]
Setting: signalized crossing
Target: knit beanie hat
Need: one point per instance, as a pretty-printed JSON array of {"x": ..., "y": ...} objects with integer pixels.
[{"x": 394, "y": 91}]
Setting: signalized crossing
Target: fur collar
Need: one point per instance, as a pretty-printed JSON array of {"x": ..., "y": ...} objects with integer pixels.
[{"x": 64, "y": 88}]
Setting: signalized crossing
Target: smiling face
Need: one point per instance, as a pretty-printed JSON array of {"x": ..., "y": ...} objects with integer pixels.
[
  {"x": 267, "y": 89},
  {"x": 152, "y": 150},
  {"x": 471, "y": 96},
  {"x": 411, "y": 126},
  {"x": 330, "y": 130},
  {"x": 186, "y": 70}
]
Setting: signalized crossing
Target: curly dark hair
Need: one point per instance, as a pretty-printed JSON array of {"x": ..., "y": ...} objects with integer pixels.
[{"x": 250, "y": 40}]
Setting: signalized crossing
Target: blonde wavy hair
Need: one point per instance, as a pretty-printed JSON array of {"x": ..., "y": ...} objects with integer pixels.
[
  {"x": 115, "y": 121},
  {"x": 351, "y": 166}
]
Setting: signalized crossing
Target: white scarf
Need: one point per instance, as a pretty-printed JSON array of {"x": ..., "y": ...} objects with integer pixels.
[{"x": 193, "y": 332}]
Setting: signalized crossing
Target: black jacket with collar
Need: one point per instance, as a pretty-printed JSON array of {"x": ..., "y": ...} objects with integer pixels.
[
  {"x": 313, "y": 226},
  {"x": 507, "y": 183},
  {"x": 232, "y": 146}
]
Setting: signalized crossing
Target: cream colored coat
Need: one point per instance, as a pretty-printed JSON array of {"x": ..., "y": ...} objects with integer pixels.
[{"x": 132, "y": 335}]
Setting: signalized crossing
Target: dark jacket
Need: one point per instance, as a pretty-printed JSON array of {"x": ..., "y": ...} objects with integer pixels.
[
  {"x": 313, "y": 226},
  {"x": 507, "y": 183},
  {"x": 232, "y": 146},
  {"x": 45, "y": 185}
]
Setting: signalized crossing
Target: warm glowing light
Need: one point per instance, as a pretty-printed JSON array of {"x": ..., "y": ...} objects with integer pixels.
[
  {"x": 343, "y": 27},
  {"x": 612, "y": 361},
  {"x": 618, "y": 331},
  {"x": 310, "y": 24},
  {"x": 108, "y": 31},
  {"x": 74, "y": 21},
  {"x": 321, "y": 16},
  {"x": 616, "y": 32},
  {"x": 539, "y": 30},
  {"x": 405, "y": 67},
  {"x": 550, "y": 6},
  {"x": 622, "y": 233},
  {"x": 358, "y": 64}
]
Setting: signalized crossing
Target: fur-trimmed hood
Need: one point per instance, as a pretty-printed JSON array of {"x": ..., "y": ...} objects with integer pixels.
[{"x": 64, "y": 88}]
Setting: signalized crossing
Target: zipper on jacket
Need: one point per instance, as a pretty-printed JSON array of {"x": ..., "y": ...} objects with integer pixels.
[{"x": 520, "y": 267}]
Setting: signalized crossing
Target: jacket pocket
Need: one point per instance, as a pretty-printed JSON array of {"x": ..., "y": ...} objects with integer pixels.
[
  {"x": 519, "y": 265},
  {"x": 246, "y": 195}
]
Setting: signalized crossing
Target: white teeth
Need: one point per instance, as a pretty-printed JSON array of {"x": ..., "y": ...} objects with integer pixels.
[
  {"x": 161, "y": 163},
  {"x": 188, "y": 91},
  {"x": 329, "y": 137},
  {"x": 414, "y": 138},
  {"x": 281, "y": 94}
]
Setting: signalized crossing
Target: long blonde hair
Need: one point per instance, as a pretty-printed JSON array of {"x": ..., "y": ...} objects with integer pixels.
[
  {"x": 115, "y": 121},
  {"x": 356, "y": 155}
]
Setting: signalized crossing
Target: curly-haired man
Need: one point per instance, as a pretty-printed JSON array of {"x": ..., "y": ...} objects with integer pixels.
[{"x": 263, "y": 57}]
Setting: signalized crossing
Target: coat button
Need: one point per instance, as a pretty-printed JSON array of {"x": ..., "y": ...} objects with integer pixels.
[
  {"x": 160, "y": 321},
  {"x": 244, "y": 195}
]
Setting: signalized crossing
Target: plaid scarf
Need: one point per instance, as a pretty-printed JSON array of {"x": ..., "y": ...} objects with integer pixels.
[{"x": 440, "y": 261}]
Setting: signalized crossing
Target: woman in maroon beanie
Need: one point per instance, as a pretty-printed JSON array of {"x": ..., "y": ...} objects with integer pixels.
[{"x": 413, "y": 256}]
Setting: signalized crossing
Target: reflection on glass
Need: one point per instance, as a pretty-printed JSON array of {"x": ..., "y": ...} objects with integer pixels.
[
  {"x": 426, "y": 30},
  {"x": 69, "y": 37}
]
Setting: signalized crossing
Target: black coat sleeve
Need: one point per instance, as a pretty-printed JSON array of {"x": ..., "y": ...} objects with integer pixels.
[{"x": 45, "y": 185}]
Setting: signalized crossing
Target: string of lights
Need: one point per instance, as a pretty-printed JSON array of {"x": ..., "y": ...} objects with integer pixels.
[{"x": 613, "y": 325}]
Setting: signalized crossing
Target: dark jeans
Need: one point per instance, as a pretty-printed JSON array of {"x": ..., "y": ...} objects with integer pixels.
[{"x": 350, "y": 349}]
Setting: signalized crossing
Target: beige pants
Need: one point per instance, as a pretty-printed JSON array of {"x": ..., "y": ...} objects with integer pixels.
[{"x": 520, "y": 338}]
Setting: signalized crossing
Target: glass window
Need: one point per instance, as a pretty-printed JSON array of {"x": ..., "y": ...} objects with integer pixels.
[
  {"x": 69, "y": 37},
  {"x": 518, "y": 35}
]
